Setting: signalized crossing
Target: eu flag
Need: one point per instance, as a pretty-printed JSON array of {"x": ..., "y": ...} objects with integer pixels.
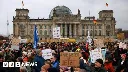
[{"x": 36, "y": 38}]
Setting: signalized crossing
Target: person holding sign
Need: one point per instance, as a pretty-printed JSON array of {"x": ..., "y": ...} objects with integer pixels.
[{"x": 84, "y": 67}]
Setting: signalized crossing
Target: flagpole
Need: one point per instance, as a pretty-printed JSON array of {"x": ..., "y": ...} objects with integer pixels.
[
  {"x": 22, "y": 4},
  {"x": 7, "y": 25}
]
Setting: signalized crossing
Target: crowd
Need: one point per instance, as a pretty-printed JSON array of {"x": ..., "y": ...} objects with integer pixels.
[{"x": 116, "y": 59}]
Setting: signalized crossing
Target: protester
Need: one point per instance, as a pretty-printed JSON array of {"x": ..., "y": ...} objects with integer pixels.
[
  {"x": 108, "y": 65},
  {"x": 123, "y": 62},
  {"x": 39, "y": 59},
  {"x": 84, "y": 67},
  {"x": 99, "y": 66},
  {"x": 23, "y": 69},
  {"x": 55, "y": 62},
  {"x": 26, "y": 53}
]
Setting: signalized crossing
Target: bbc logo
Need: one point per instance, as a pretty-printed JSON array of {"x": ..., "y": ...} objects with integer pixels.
[{"x": 18, "y": 64}]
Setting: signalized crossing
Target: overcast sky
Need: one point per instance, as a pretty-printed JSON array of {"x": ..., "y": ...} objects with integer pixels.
[{"x": 42, "y": 8}]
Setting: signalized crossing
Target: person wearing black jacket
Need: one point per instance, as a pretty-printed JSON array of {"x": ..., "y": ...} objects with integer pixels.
[
  {"x": 99, "y": 66},
  {"x": 84, "y": 67},
  {"x": 117, "y": 56},
  {"x": 123, "y": 63}
]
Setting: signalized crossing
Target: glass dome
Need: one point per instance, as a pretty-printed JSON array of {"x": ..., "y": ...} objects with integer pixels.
[{"x": 60, "y": 10}]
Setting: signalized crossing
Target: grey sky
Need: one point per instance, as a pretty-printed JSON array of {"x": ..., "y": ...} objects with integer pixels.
[{"x": 42, "y": 8}]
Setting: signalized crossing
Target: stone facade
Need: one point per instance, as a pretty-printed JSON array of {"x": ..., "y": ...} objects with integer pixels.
[{"x": 72, "y": 26}]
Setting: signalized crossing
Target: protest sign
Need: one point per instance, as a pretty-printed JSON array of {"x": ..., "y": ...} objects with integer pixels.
[
  {"x": 99, "y": 43},
  {"x": 15, "y": 47},
  {"x": 69, "y": 59},
  {"x": 23, "y": 40},
  {"x": 15, "y": 41},
  {"x": 56, "y": 32},
  {"x": 47, "y": 53},
  {"x": 103, "y": 51},
  {"x": 95, "y": 54}
]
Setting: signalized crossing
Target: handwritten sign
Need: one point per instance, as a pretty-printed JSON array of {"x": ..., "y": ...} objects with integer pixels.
[
  {"x": 47, "y": 53},
  {"x": 56, "y": 32},
  {"x": 69, "y": 59},
  {"x": 95, "y": 54}
]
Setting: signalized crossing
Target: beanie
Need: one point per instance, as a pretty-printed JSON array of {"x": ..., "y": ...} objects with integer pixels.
[
  {"x": 123, "y": 55},
  {"x": 100, "y": 61}
]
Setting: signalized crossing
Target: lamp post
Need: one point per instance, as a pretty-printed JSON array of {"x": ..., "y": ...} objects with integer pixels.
[{"x": 93, "y": 31}]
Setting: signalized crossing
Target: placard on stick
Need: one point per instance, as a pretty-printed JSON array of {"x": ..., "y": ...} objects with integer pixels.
[{"x": 69, "y": 59}]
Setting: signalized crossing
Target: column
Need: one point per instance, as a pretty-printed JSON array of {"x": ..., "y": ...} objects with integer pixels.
[
  {"x": 80, "y": 31},
  {"x": 65, "y": 30},
  {"x": 61, "y": 29},
  {"x": 103, "y": 30},
  {"x": 16, "y": 30},
  {"x": 74, "y": 30},
  {"x": 70, "y": 30}
]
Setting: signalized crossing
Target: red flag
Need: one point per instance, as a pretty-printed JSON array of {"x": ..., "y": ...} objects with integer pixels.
[
  {"x": 107, "y": 4},
  {"x": 94, "y": 21}
]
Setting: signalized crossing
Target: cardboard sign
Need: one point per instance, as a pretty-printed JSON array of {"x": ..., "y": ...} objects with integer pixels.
[
  {"x": 99, "y": 43},
  {"x": 47, "y": 54},
  {"x": 69, "y": 59},
  {"x": 15, "y": 41}
]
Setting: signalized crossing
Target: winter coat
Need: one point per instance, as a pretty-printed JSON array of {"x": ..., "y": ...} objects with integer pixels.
[
  {"x": 40, "y": 62},
  {"x": 55, "y": 64},
  {"x": 125, "y": 65},
  {"x": 101, "y": 69},
  {"x": 84, "y": 66},
  {"x": 109, "y": 67}
]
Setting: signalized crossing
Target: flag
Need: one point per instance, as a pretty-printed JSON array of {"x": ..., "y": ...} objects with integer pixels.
[
  {"x": 36, "y": 38},
  {"x": 94, "y": 21},
  {"x": 22, "y": 3},
  {"x": 107, "y": 4}
]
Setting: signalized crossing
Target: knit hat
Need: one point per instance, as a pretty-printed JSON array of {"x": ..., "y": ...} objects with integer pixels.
[
  {"x": 38, "y": 51},
  {"x": 100, "y": 61},
  {"x": 123, "y": 55}
]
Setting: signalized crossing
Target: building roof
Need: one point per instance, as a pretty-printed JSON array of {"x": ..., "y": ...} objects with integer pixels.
[
  {"x": 21, "y": 9},
  {"x": 106, "y": 11},
  {"x": 60, "y": 10},
  {"x": 40, "y": 19}
]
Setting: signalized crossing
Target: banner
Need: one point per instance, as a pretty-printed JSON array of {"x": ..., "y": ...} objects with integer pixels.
[
  {"x": 56, "y": 32},
  {"x": 47, "y": 54},
  {"x": 69, "y": 59}
]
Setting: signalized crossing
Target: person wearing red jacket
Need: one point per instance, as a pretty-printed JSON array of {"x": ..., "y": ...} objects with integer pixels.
[{"x": 108, "y": 65}]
